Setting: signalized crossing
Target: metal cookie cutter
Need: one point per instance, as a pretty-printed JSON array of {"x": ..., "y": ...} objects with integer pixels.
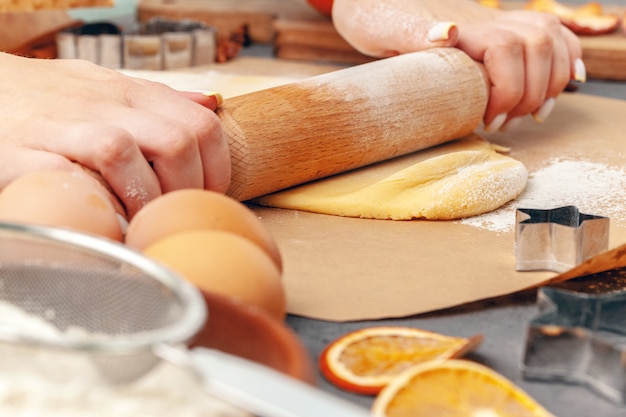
[
  {"x": 579, "y": 338},
  {"x": 557, "y": 239},
  {"x": 157, "y": 44}
]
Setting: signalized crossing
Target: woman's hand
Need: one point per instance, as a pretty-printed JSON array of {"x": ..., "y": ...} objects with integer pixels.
[
  {"x": 529, "y": 57},
  {"x": 142, "y": 137}
]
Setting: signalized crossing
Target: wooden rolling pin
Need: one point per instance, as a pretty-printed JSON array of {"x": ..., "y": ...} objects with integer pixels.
[{"x": 346, "y": 119}]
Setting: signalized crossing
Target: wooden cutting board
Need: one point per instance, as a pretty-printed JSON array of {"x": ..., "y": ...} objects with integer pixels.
[
  {"x": 229, "y": 15},
  {"x": 299, "y": 32},
  {"x": 20, "y": 32}
]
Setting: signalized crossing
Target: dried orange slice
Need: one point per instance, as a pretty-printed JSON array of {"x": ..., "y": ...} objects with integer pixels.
[
  {"x": 364, "y": 361},
  {"x": 454, "y": 387}
]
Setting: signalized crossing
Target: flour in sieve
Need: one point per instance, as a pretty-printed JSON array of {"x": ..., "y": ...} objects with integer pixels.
[
  {"x": 595, "y": 188},
  {"x": 37, "y": 382}
]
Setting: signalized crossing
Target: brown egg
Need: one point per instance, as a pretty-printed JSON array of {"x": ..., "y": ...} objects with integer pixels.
[
  {"x": 224, "y": 263},
  {"x": 60, "y": 199},
  {"x": 195, "y": 209}
]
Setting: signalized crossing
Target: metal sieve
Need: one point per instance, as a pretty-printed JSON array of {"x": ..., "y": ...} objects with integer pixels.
[{"x": 126, "y": 313}]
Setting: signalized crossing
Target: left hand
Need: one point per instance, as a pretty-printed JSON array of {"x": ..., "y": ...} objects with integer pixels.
[{"x": 143, "y": 138}]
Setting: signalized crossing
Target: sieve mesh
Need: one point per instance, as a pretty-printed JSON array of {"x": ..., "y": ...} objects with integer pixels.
[{"x": 101, "y": 296}]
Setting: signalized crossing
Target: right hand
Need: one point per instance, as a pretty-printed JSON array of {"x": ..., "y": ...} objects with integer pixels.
[{"x": 529, "y": 57}]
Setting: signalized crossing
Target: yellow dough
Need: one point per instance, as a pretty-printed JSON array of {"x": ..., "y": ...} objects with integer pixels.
[{"x": 459, "y": 179}]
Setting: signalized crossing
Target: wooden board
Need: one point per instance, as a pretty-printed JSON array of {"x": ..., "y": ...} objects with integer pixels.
[
  {"x": 21, "y": 32},
  {"x": 313, "y": 40},
  {"x": 298, "y": 32},
  {"x": 38, "y": 5},
  {"x": 229, "y": 15},
  {"x": 605, "y": 56}
]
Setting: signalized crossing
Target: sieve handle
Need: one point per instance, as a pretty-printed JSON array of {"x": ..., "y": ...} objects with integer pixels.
[{"x": 264, "y": 391}]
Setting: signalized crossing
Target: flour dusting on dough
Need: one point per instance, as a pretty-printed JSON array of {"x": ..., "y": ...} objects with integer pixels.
[
  {"x": 595, "y": 188},
  {"x": 489, "y": 185}
]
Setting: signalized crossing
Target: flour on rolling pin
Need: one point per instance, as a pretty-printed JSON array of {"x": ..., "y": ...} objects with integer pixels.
[
  {"x": 595, "y": 188},
  {"x": 376, "y": 90}
]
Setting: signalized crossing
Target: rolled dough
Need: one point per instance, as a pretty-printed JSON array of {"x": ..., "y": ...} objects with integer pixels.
[{"x": 464, "y": 178}]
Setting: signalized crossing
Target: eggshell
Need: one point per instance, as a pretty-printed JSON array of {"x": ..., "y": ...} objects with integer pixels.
[
  {"x": 196, "y": 209},
  {"x": 60, "y": 199},
  {"x": 224, "y": 263}
]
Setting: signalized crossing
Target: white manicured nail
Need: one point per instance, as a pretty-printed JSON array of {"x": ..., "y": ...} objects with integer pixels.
[
  {"x": 496, "y": 123},
  {"x": 440, "y": 32},
  {"x": 544, "y": 111},
  {"x": 511, "y": 124},
  {"x": 123, "y": 223},
  {"x": 580, "y": 71}
]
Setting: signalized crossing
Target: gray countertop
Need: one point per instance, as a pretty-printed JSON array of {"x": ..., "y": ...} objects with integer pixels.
[{"x": 503, "y": 323}]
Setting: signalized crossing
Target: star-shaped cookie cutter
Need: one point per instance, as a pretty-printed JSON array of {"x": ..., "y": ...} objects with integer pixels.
[
  {"x": 557, "y": 239},
  {"x": 579, "y": 338}
]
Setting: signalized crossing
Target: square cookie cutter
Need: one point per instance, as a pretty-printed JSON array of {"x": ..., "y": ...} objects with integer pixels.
[
  {"x": 579, "y": 338},
  {"x": 557, "y": 239}
]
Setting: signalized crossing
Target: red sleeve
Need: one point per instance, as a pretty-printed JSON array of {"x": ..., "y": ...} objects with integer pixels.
[{"x": 323, "y": 6}]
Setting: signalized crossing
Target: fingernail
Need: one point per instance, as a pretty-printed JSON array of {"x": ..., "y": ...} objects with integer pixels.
[
  {"x": 123, "y": 223},
  {"x": 544, "y": 111},
  {"x": 580, "y": 71},
  {"x": 511, "y": 124},
  {"x": 210, "y": 93},
  {"x": 440, "y": 32},
  {"x": 496, "y": 123},
  {"x": 218, "y": 97}
]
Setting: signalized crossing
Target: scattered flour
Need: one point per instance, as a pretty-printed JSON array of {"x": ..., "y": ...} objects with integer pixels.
[
  {"x": 594, "y": 188},
  {"x": 49, "y": 383}
]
